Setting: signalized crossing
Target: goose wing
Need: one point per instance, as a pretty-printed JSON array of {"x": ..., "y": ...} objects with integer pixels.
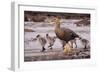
[{"x": 69, "y": 34}]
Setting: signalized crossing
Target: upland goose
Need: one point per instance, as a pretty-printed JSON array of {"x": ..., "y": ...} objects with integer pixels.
[{"x": 63, "y": 34}]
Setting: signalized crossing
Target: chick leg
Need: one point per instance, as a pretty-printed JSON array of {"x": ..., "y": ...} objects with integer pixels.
[
  {"x": 50, "y": 46},
  {"x": 43, "y": 49}
]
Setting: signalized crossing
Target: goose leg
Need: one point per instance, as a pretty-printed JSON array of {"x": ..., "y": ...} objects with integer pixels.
[
  {"x": 63, "y": 47},
  {"x": 63, "y": 44}
]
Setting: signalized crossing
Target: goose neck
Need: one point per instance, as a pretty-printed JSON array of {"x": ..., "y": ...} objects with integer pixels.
[{"x": 57, "y": 25}]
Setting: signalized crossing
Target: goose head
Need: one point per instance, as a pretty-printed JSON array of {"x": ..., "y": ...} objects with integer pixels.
[{"x": 56, "y": 21}]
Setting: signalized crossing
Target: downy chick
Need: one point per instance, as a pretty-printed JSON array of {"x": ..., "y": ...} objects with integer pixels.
[
  {"x": 50, "y": 41},
  {"x": 67, "y": 49},
  {"x": 42, "y": 41}
]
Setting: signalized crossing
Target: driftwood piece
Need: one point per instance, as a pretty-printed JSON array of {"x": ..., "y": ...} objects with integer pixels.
[{"x": 28, "y": 30}]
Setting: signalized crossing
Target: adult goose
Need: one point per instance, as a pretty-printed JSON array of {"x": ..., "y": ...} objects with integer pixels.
[{"x": 63, "y": 34}]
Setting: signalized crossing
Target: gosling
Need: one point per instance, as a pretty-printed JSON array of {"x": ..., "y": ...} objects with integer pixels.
[
  {"x": 67, "y": 49},
  {"x": 50, "y": 41},
  {"x": 86, "y": 44},
  {"x": 42, "y": 41}
]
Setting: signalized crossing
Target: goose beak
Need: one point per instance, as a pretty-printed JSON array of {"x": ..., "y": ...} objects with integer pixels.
[{"x": 55, "y": 20}]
